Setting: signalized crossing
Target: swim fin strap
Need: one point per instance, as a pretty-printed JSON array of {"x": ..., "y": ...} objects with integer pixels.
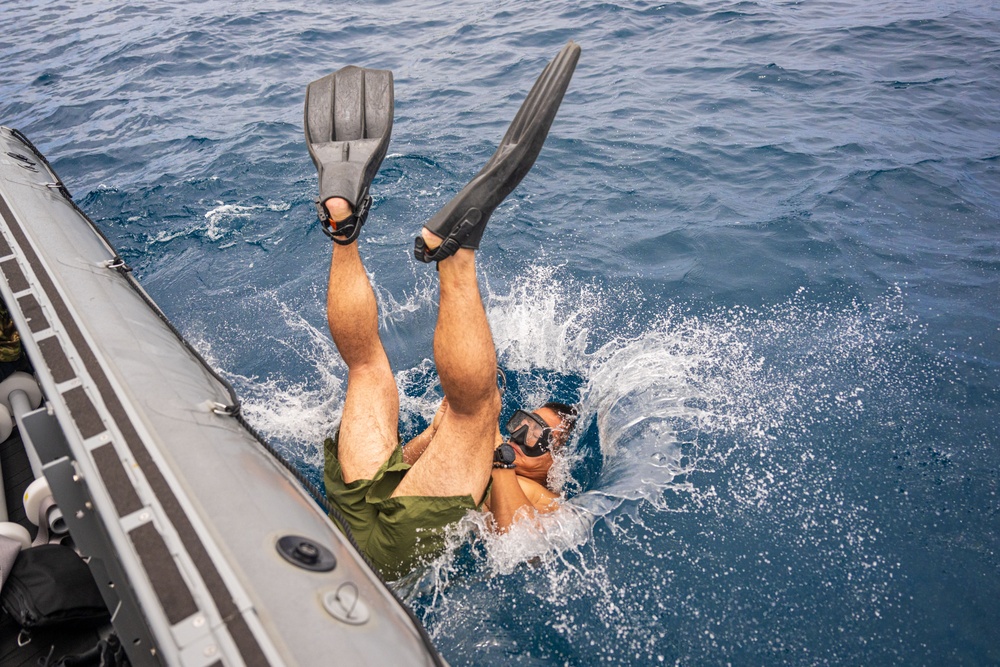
[
  {"x": 462, "y": 220},
  {"x": 348, "y": 122}
]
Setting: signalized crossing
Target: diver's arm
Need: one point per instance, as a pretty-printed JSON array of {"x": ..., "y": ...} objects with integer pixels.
[
  {"x": 415, "y": 447},
  {"x": 511, "y": 494},
  {"x": 506, "y": 498}
]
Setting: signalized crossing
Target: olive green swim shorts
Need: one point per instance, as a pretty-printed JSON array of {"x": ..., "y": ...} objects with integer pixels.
[{"x": 395, "y": 533}]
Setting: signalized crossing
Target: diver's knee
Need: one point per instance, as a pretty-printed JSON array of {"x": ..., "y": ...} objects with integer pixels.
[
  {"x": 476, "y": 405},
  {"x": 376, "y": 375},
  {"x": 494, "y": 404},
  {"x": 489, "y": 405}
]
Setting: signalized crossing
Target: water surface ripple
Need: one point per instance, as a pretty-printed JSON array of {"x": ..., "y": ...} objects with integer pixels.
[{"x": 759, "y": 249}]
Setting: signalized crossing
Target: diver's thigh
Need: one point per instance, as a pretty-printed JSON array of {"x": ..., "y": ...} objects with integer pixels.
[
  {"x": 369, "y": 426},
  {"x": 458, "y": 460}
]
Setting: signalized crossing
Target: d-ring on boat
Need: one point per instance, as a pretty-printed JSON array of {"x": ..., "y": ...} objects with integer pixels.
[{"x": 205, "y": 548}]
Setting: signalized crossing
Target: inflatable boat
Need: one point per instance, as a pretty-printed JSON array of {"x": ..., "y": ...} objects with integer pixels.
[{"x": 206, "y": 548}]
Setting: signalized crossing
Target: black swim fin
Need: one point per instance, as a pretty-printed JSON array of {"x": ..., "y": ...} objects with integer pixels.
[
  {"x": 348, "y": 120},
  {"x": 462, "y": 220}
]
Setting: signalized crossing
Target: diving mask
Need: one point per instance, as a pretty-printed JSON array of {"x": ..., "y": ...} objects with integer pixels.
[{"x": 530, "y": 432}]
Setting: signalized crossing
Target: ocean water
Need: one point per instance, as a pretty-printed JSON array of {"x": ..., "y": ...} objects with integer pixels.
[{"x": 760, "y": 249}]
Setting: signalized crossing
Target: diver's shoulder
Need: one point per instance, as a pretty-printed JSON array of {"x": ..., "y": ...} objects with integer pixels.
[{"x": 539, "y": 496}]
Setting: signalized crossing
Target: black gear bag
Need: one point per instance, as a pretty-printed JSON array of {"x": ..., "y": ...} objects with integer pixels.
[{"x": 50, "y": 584}]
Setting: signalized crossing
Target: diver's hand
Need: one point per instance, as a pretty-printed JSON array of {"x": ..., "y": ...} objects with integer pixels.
[
  {"x": 439, "y": 415},
  {"x": 415, "y": 447}
]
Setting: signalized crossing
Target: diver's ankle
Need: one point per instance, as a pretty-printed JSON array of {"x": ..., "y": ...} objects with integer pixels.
[{"x": 463, "y": 260}]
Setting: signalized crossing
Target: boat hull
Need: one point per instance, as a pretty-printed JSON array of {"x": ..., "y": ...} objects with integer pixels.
[{"x": 178, "y": 504}]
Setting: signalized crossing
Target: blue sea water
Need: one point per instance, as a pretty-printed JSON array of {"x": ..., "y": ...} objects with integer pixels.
[{"x": 760, "y": 249}]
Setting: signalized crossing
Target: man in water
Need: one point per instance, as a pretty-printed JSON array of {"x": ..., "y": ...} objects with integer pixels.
[{"x": 397, "y": 499}]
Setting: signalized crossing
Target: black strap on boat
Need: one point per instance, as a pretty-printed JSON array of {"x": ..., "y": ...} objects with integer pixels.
[{"x": 234, "y": 409}]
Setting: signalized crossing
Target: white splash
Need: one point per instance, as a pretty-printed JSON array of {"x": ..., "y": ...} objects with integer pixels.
[
  {"x": 543, "y": 322},
  {"x": 681, "y": 395},
  {"x": 290, "y": 410}
]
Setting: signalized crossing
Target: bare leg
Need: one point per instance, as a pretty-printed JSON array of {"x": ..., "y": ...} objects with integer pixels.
[
  {"x": 457, "y": 460},
  {"x": 368, "y": 427}
]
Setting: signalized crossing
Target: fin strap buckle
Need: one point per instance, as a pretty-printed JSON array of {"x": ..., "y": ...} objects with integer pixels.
[
  {"x": 452, "y": 243},
  {"x": 348, "y": 229},
  {"x": 447, "y": 248}
]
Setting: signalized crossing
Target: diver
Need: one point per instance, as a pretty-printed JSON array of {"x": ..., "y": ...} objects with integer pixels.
[{"x": 398, "y": 498}]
